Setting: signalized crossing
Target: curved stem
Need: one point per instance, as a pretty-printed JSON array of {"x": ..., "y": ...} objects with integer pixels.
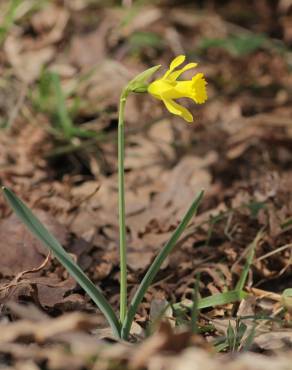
[{"x": 122, "y": 223}]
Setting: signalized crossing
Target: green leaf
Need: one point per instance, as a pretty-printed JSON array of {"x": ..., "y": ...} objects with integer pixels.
[
  {"x": 221, "y": 346},
  {"x": 287, "y": 299},
  {"x": 286, "y": 224},
  {"x": 140, "y": 39},
  {"x": 251, "y": 251},
  {"x": 218, "y": 299},
  {"x": 231, "y": 337},
  {"x": 255, "y": 207},
  {"x": 195, "y": 309},
  {"x": 51, "y": 99},
  {"x": 154, "y": 268},
  {"x": 238, "y": 45},
  {"x": 62, "y": 112},
  {"x": 250, "y": 338},
  {"x": 8, "y": 19},
  {"x": 241, "y": 329},
  {"x": 287, "y": 292},
  {"x": 38, "y": 229},
  {"x": 222, "y": 298}
]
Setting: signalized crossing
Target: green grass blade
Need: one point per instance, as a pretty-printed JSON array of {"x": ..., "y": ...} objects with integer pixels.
[
  {"x": 222, "y": 298},
  {"x": 251, "y": 252},
  {"x": 8, "y": 19},
  {"x": 215, "y": 300},
  {"x": 37, "y": 228},
  {"x": 221, "y": 346},
  {"x": 250, "y": 338},
  {"x": 154, "y": 268},
  {"x": 195, "y": 310},
  {"x": 62, "y": 112},
  {"x": 231, "y": 337}
]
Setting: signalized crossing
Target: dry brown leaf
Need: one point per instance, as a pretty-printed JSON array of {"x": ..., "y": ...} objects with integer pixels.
[
  {"x": 274, "y": 341},
  {"x": 47, "y": 328},
  {"x": 89, "y": 50},
  {"x": 49, "y": 24},
  {"x": 29, "y": 55},
  {"x": 19, "y": 250},
  {"x": 27, "y": 65},
  {"x": 163, "y": 340}
]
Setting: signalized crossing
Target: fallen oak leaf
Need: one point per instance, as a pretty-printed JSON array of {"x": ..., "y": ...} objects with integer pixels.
[
  {"x": 165, "y": 339},
  {"x": 19, "y": 250},
  {"x": 20, "y": 275}
]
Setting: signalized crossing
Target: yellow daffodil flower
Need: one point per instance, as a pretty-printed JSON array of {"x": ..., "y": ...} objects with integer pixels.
[{"x": 168, "y": 88}]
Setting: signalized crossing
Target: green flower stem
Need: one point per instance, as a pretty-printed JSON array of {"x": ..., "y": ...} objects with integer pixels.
[
  {"x": 122, "y": 223},
  {"x": 154, "y": 268}
]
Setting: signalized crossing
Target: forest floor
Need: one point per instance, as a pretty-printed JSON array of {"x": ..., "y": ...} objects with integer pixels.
[{"x": 62, "y": 67}]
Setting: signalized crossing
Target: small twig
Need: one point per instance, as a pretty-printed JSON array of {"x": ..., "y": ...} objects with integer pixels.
[
  {"x": 19, "y": 276},
  {"x": 278, "y": 250},
  {"x": 13, "y": 115},
  {"x": 265, "y": 294}
]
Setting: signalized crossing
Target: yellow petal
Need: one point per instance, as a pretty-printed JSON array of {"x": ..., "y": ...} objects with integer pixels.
[
  {"x": 175, "y": 75},
  {"x": 178, "y": 110},
  {"x": 175, "y": 63},
  {"x": 199, "y": 88},
  {"x": 159, "y": 87}
]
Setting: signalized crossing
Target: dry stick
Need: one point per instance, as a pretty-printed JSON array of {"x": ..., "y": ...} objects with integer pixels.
[
  {"x": 278, "y": 250},
  {"x": 18, "y": 105},
  {"x": 16, "y": 279}
]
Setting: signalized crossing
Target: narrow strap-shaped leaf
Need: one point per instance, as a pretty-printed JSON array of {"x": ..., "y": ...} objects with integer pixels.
[
  {"x": 195, "y": 310},
  {"x": 249, "y": 260},
  {"x": 63, "y": 115},
  {"x": 38, "y": 229},
  {"x": 154, "y": 268},
  {"x": 222, "y": 298},
  {"x": 218, "y": 299}
]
